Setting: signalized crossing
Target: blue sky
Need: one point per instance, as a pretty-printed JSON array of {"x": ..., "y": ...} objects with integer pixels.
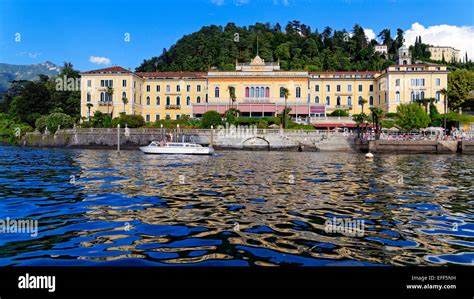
[{"x": 75, "y": 30}]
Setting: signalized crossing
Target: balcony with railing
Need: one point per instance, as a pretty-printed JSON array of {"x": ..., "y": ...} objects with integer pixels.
[{"x": 173, "y": 107}]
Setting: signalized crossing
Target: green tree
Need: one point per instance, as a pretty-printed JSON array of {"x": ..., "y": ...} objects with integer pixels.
[
  {"x": 460, "y": 83},
  {"x": 110, "y": 92},
  {"x": 377, "y": 116},
  {"x": 411, "y": 116},
  {"x": 125, "y": 102},
  {"x": 211, "y": 118},
  {"x": 362, "y": 103},
  {"x": 286, "y": 93}
]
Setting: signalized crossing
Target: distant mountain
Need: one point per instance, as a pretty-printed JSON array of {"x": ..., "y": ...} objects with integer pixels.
[{"x": 10, "y": 72}]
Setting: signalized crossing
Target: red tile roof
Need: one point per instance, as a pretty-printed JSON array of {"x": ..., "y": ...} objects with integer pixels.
[
  {"x": 172, "y": 74},
  {"x": 345, "y": 72},
  {"x": 113, "y": 69}
]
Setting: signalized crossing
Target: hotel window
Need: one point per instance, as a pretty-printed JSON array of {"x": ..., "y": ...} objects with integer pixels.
[
  {"x": 371, "y": 100},
  {"x": 102, "y": 96},
  {"x": 371, "y": 87},
  {"x": 316, "y": 100},
  {"x": 157, "y": 117},
  {"x": 207, "y": 100},
  {"x": 148, "y": 118},
  {"x": 178, "y": 88},
  {"x": 178, "y": 101},
  {"x": 247, "y": 92},
  {"x": 328, "y": 88},
  {"x": 298, "y": 92},
  {"x": 216, "y": 92},
  {"x": 198, "y": 100},
  {"x": 188, "y": 101},
  {"x": 158, "y": 88},
  {"x": 422, "y": 95},
  {"x": 438, "y": 95},
  {"x": 397, "y": 97},
  {"x": 89, "y": 83},
  {"x": 397, "y": 82},
  {"x": 134, "y": 97},
  {"x": 316, "y": 88},
  {"x": 148, "y": 101},
  {"x": 158, "y": 101},
  {"x": 168, "y": 116},
  {"x": 148, "y": 88},
  {"x": 262, "y": 92},
  {"x": 328, "y": 101},
  {"x": 338, "y": 88},
  {"x": 88, "y": 97},
  {"x": 338, "y": 101},
  {"x": 349, "y": 88},
  {"x": 252, "y": 92},
  {"x": 168, "y": 101},
  {"x": 134, "y": 84},
  {"x": 282, "y": 92},
  {"x": 124, "y": 95},
  {"x": 140, "y": 99},
  {"x": 257, "y": 91},
  {"x": 437, "y": 82},
  {"x": 178, "y": 116},
  {"x": 349, "y": 101},
  {"x": 267, "y": 92},
  {"x": 124, "y": 83},
  {"x": 360, "y": 100},
  {"x": 168, "y": 88},
  {"x": 188, "y": 88},
  {"x": 360, "y": 87},
  {"x": 198, "y": 88}
]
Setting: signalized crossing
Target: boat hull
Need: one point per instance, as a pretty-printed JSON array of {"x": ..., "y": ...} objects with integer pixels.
[{"x": 177, "y": 151}]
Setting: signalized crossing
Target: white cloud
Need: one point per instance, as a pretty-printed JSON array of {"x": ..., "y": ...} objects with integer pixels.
[
  {"x": 459, "y": 37},
  {"x": 217, "y": 2},
  {"x": 99, "y": 60},
  {"x": 369, "y": 33}
]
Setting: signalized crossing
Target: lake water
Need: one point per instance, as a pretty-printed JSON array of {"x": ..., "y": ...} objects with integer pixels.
[{"x": 236, "y": 208}]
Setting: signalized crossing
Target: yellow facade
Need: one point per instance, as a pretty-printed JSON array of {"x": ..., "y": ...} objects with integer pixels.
[
  {"x": 448, "y": 53},
  {"x": 258, "y": 89}
]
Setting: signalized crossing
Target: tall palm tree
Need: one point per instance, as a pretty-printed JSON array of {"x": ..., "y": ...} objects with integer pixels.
[
  {"x": 377, "y": 115},
  {"x": 286, "y": 94},
  {"x": 89, "y": 106},
  {"x": 232, "y": 96},
  {"x": 362, "y": 102},
  {"x": 110, "y": 92},
  {"x": 125, "y": 102},
  {"x": 444, "y": 92},
  {"x": 425, "y": 102}
]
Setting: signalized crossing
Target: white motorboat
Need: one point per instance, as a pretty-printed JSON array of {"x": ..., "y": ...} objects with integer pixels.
[{"x": 180, "y": 148}]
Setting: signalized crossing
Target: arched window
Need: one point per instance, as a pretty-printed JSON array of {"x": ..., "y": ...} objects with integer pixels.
[
  {"x": 371, "y": 100},
  {"x": 438, "y": 95},
  {"x": 328, "y": 101},
  {"x": 178, "y": 101},
  {"x": 124, "y": 95},
  {"x": 198, "y": 100},
  {"x": 252, "y": 92},
  {"x": 247, "y": 92},
  {"x": 282, "y": 92},
  {"x": 349, "y": 101},
  {"x": 188, "y": 101},
  {"x": 267, "y": 92},
  {"x": 262, "y": 92},
  {"x": 422, "y": 95},
  {"x": 102, "y": 96},
  {"x": 298, "y": 92},
  {"x": 316, "y": 100},
  {"x": 168, "y": 101},
  {"x": 89, "y": 96},
  {"x": 207, "y": 99},
  {"x": 257, "y": 92},
  {"x": 157, "y": 101},
  {"x": 360, "y": 101},
  {"x": 338, "y": 101},
  {"x": 216, "y": 92},
  {"x": 148, "y": 100},
  {"x": 412, "y": 96},
  {"x": 397, "y": 97}
]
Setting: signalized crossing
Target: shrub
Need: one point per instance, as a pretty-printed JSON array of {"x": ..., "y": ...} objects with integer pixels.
[
  {"x": 40, "y": 123},
  {"x": 211, "y": 118},
  {"x": 262, "y": 124},
  {"x": 411, "y": 116},
  {"x": 62, "y": 120},
  {"x": 339, "y": 112},
  {"x": 132, "y": 121}
]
